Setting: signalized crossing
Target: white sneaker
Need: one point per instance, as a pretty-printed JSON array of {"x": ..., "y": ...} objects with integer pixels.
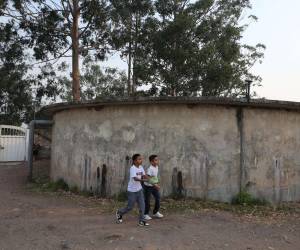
[
  {"x": 147, "y": 217},
  {"x": 158, "y": 215}
]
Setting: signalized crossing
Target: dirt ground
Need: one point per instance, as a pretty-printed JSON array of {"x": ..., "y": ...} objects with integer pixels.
[{"x": 32, "y": 220}]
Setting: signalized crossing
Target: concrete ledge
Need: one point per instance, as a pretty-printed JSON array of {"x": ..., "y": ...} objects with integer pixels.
[{"x": 233, "y": 102}]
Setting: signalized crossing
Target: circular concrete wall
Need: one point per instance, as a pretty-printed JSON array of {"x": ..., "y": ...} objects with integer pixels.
[{"x": 217, "y": 148}]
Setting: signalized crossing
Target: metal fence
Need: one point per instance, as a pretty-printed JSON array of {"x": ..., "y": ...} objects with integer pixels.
[{"x": 13, "y": 143}]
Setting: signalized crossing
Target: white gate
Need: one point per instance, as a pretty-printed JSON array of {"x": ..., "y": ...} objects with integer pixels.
[{"x": 12, "y": 143}]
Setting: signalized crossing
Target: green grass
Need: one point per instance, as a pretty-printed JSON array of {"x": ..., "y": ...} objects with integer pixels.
[
  {"x": 244, "y": 198},
  {"x": 242, "y": 204},
  {"x": 44, "y": 185}
]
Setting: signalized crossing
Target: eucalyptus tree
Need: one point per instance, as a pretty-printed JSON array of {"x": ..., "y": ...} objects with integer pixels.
[
  {"x": 129, "y": 19},
  {"x": 55, "y": 29},
  {"x": 15, "y": 91},
  {"x": 197, "y": 48}
]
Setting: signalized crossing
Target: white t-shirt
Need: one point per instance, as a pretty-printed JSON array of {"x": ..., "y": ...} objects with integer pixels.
[
  {"x": 135, "y": 186},
  {"x": 151, "y": 171}
]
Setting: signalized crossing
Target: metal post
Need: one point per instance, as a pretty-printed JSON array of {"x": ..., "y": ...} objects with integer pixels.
[
  {"x": 30, "y": 148},
  {"x": 248, "y": 84}
]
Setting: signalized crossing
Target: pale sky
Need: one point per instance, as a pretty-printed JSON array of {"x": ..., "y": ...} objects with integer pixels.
[{"x": 278, "y": 27}]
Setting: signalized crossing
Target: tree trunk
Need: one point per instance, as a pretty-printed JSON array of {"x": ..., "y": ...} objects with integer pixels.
[
  {"x": 129, "y": 84},
  {"x": 129, "y": 90},
  {"x": 75, "y": 53},
  {"x": 134, "y": 78}
]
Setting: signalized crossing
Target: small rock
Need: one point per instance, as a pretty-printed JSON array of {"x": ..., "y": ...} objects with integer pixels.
[
  {"x": 286, "y": 239},
  {"x": 113, "y": 237},
  {"x": 271, "y": 248},
  {"x": 64, "y": 244},
  {"x": 50, "y": 227}
]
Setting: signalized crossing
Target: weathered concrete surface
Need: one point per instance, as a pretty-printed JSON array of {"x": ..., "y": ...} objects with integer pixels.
[
  {"x": 208, "y": 145},
  {"x": 272, "y": 154},
  {"x": 201, "y": 142}
]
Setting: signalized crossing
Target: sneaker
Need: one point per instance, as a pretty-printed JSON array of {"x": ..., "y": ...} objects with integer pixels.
[
  {"x": 119, "y": 217},
  {"x": 143, "y": 224},
  {"x": 147, "y": 217},
  {"x": 158, "y": 215}
]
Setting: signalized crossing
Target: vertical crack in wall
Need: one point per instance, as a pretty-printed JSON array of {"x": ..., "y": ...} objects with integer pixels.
[
  {"x": 98, "y": 181},
  {"x": 103, "y": 181},
  {"x": 276, "y": 181},
  {"x": 240, "y": 124},
  {"x": 126, "y": 174},
  {"x": 177, "y": 183},
  {"x": 206, "y": 165},
  {"x": 87, "y": 173}
]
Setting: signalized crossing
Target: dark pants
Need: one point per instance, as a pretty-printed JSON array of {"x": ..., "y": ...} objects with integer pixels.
[
  {"x": 148, "y": 191},
  {"x": 134, "y": 197}
]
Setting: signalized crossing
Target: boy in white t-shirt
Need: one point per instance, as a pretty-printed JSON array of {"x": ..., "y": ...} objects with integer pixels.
[
  {"x": 152, "y": 189},
  {"x": 135, "y": 191}
]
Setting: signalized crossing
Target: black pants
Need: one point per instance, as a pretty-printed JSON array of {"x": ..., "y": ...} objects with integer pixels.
[{"x": 148, "y": 191}]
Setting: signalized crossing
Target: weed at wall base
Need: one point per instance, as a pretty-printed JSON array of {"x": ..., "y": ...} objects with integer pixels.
[{"x": 244, "y": 198}]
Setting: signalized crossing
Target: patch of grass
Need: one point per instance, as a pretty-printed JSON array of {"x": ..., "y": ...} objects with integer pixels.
[
  {"x": 86, "y": 193},
  {"x": 244, "y": 198},
  {"x": 122, "y": 196},
  {"x": 177, "y": 196},
  {"x": 74, "y": 189},
  {"x": 245, "y": 206},
  {"x": 60, "y": 184},
  {"x": 48, "y": 186},
  {"x": 189, "y": 205}
]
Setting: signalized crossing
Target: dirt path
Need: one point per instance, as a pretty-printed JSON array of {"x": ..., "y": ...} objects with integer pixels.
[{"x": 31, "y": 220}]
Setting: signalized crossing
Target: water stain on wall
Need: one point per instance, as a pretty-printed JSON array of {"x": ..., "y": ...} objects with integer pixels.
[{"x": 86, "y": 173}]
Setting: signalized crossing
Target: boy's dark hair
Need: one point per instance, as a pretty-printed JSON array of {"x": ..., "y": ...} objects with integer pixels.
[
  {"x": 152, "y": 157},
  {"x": 135, "y": 156}
]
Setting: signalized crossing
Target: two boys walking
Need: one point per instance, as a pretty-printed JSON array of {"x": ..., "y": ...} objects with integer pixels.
[{"x": 135, "y": 191}]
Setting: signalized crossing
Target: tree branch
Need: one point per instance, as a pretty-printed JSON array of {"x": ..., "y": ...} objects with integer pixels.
[
  {"x": 61, "y": 55},
  {"x": 66, "y": 13}
]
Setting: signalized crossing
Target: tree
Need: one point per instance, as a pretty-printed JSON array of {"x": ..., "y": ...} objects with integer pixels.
[
  {"x": 98, "y": 84},
  {"x": 129, "y": 18},
  {"x": 54, "y": 28},
  {"x": 177, "y": 47},
  {"x": 95, "y": 83},
  {"x": 196, "y": 48},
  {"x": 15, "y": 91}
]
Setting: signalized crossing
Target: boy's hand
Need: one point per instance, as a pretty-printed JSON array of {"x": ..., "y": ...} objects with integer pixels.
[
  {"x": 145, "y": 178},
  {"x": 157, "y": 187}
]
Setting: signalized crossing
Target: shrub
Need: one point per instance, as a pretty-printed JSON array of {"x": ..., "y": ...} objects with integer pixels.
[
  {"x": 60, "y": 184},
  {"x": 244, "y": 198}
]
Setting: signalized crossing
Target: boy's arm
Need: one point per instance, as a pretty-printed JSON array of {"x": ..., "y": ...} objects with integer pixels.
[
  {"x": 143, "y": 178},
  {"x": 133, "y": 175},
  {"x": 149, "y": 173}
]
